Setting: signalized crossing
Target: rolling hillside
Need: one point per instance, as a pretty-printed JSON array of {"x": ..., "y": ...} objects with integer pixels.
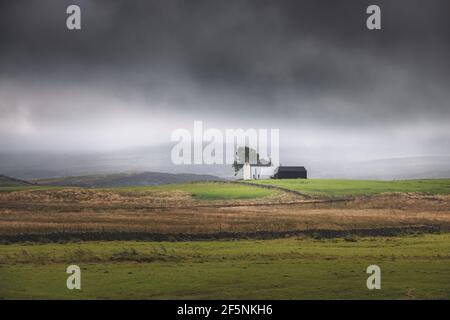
[
  {"x": 125, "y": 180},
  {"x": 6, "y": 181}
]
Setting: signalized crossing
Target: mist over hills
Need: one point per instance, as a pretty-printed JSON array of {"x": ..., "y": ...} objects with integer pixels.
[
  {"x": 428, "y": 167},
  {"x": 45, "y": 165}
]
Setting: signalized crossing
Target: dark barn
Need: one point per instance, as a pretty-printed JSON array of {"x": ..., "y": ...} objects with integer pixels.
[{"x": 290, "y": 173}]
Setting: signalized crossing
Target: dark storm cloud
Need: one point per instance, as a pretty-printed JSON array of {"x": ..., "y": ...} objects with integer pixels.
[{"x": 284, "y": 62}]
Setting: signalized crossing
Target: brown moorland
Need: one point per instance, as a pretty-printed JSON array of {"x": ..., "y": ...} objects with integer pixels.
[{"x": 73, "y": 211}]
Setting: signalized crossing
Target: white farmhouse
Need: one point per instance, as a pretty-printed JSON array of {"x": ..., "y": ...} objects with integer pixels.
[{"x": 256, "y": 171}]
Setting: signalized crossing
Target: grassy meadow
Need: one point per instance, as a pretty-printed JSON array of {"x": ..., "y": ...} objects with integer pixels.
[
  {"x": 310, "y": 187},
  {"x": 200, "y": 191},
  {"x": 294, "y": 268},
  {"x": 343, "y": 187},
  {"x": 206, "y": 190},
  {"x": 278, "y": 267}
]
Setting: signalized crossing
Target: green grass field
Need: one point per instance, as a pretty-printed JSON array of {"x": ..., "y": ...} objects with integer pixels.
[
  {"x": 201, "y": 191},
  {"x": 312, "y": 187},
  {"x": 412, "y": 268},
  {"x": 207, "y": 190},
  {"x": 342, "y": 187}
]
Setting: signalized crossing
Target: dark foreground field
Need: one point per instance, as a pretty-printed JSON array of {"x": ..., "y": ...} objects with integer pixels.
[{"x": 224, "y": 240}]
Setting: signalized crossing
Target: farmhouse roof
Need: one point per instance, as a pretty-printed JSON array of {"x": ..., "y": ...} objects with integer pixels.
[{"x": 291, "y": 168}]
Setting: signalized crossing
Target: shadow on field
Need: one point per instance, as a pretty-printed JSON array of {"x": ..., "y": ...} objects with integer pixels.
[{"x": 144, "y": 236}]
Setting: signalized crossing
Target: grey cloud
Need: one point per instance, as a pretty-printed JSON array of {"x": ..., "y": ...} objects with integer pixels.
[{"x": 284, "y": 63}]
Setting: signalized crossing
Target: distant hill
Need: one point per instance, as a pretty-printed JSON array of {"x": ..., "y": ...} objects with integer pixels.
[
  {"x": 6, "y": 181},
  {"x": 124, "y": 179},
  {"x": 44, "y": 165}
]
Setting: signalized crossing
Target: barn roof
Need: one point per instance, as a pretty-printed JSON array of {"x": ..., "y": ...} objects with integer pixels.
[{"x": 291, "y": 168}]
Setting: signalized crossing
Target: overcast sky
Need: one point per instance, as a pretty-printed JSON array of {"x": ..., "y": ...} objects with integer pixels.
[{"x": 139, "y": 69}]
